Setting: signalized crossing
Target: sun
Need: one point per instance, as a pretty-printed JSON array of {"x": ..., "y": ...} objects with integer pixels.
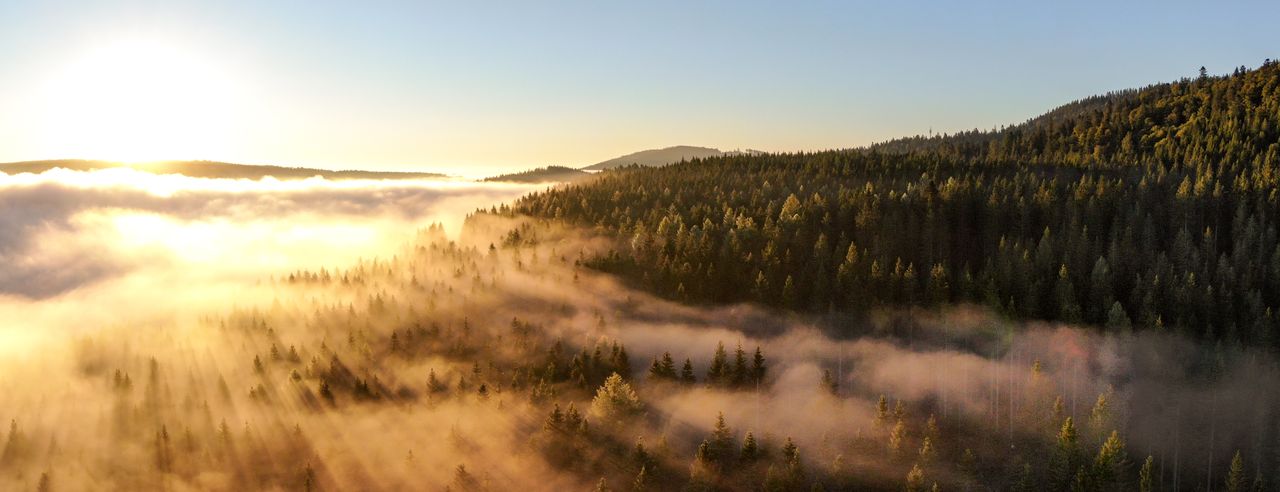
[{"x": 138, "y": 101}]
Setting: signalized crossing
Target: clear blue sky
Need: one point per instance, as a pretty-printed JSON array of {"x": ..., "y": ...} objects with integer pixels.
[{"x": 481, "y": 87}]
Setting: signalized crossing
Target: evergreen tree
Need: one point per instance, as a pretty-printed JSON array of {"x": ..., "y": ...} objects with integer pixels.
[
  {"x": 915, "y": 479},
  {"x": 882, "y": 412},
  {"x": 829, "y": 383},
  {"x": 758, "y": 368},
  {"x": 750, "y": 450},
  {"x": 897, "y": 439},
  {"x": 1235, "y": 476},
  {"x": 718, "y": 371},
  {"x": 926, "y": 453},
  {"x": 1065, "y": 458},
  {"x": 615, "y": 400},
  {"x": 686, "y": 373},
  {"x": 739, "y": 374},
  {"x": 1109, "y": 464},
  {"x": 1146, "y": 481},
  {"x": 641, "y": 482}
]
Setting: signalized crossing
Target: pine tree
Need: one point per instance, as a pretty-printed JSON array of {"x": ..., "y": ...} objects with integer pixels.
[
  {"x": 1068, "y": 306},
  {"x": 739, "y": 373},
  {"x": 795, "y": 468},
  {"x": 464, "y": 480},
  {"x": 829, "y": 383},
  {"x": 790, "y": 451},
  {"x": 309, "y": 479},
  {"x": 1145, "y": 478},
  {"x": 655, "y": 370},
  {"x": 554, "y": 421},
  {"x": 667, "y": 367},
  {"x": 641, "y": 483},
  {"x": 641, "y": 456},
  {"x": 750, "y": 450},
  {"x": 1065, "y": 458},
  {"x": 1109, "y": 464},
  {"x": 758, "y": 368},
  {"x": 926, "y": 453},
  {"x": 1100, "y": 416},
  {"x": 721, "y": 442},
  {"x": 1235, "y": 476},
  {"x": 717, "y": 372},
  {"x": 1026, "y": 480},
  {"x": 325, "y": 392},
  {"x": 882, "y": 413},
  {"x": 615, "y": 400},
  {"x": 790, "y": 297},
  {"x": 915, "y": 479},
  {"x": 897, "y": 438},
  {"x": 1117, "y": 318},
  {"x": 686, "y": 373}
]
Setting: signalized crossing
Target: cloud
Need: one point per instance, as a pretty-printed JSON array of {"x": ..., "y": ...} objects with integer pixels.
[
  {"x": 58, "y": 233},
  {"x": 113, "y": 271}
]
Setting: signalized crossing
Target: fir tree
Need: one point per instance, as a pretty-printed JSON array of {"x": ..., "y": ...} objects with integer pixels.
[
  {"x": 1146, "y": 481},
  {"x": 686, "y": 373},
  {"x": 1235, "y": 476}
]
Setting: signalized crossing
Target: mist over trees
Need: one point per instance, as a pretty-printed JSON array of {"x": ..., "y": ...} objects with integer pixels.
[
  {"x": 1085, "y": 302},
  {"x": 1144, "y": 209},
  {"x": 482, "y": 364}
]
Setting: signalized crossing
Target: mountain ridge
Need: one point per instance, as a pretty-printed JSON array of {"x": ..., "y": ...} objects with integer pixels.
[
  {"x": 665, "y": 156},
  {"x": 210, "y": 169}
]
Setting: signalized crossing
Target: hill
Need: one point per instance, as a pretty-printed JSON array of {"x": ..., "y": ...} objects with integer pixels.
[
  {"x": 210, "y": 169},
  {"x": 656, "y": 157},
  {"x": 1040, "y": 220},
  {"x": 1192, "y": 122},
  {"x": 549, "y": 174}
]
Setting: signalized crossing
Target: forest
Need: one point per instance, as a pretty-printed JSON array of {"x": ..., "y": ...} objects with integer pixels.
[
  {"x": 484, "y": 363},
  {"x": 1082, "y": 302},
  {"x": 1150, "y": 209}
]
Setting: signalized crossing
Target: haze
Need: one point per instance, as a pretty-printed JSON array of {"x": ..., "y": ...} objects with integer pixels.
[
  {"x": 479, "y": 90},
  {"x": 706, "y": 247}
]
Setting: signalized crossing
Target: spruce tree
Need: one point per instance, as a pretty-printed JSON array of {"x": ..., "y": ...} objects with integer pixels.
[
  {"x": 717, "y": 372},
  {"x": 1235, "y": 476},
  {"x": 758, "y": 368},
  {"x": 1065, "y": 457},
  {"x": 750, "y": 450},
  {"x": 686, "y": 373},
  {"x": 1146, "y": 481}
]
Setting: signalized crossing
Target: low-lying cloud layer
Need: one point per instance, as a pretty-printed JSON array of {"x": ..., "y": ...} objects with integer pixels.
[
  {"x": 63, "y": 230},
  {"x": 191, "y": 328}
]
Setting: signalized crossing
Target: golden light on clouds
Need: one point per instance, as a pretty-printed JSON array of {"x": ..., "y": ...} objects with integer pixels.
[{"x": 139, "y": 100}]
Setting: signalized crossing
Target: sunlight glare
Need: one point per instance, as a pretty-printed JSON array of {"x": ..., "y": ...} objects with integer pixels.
[{"x": 139, "y": 100}]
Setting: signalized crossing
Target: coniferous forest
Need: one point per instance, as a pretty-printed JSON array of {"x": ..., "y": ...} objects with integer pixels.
[
  {"x": 1149, "y": 209},
  {"x": 1087, "y": 301}
]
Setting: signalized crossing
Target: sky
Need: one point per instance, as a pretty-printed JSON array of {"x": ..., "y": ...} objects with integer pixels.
[{"x": 478, "y": 88}]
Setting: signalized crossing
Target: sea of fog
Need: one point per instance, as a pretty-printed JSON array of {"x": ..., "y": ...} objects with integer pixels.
[{"x": 112, "y": 259}]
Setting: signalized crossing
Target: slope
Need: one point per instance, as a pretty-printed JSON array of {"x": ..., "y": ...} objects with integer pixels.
[{"x": 1155, "y": 208}]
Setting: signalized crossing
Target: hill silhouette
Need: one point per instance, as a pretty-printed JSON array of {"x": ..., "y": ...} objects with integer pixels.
[{"x": 210, "y": 169}]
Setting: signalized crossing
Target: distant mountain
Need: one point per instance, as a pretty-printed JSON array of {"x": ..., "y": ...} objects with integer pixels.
[
  {"x": 210, "y": 169},
  {"x": 657, "y": 157},
  {"x": 547, "y": 174}
]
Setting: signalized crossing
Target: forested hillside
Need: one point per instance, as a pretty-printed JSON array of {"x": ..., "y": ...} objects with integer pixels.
[
  {"x": 1153, "y": 208},
  {"x": 656, "y": 157},
  {"x": 1231, "y": 121},
  {"x": 547, "y": 174},
  {"x": 465, "y": 366}
]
